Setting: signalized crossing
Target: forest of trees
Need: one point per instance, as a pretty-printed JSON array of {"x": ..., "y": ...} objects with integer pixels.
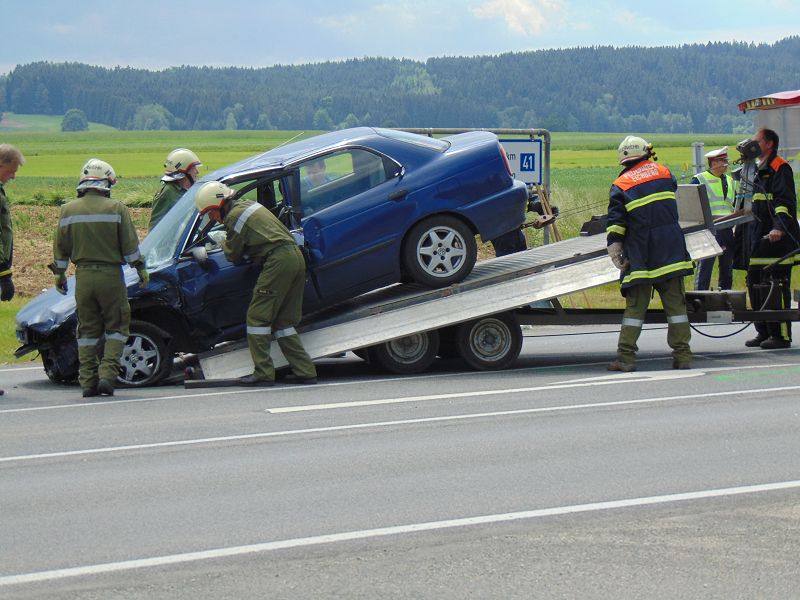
[{"x": 689, "y": 88}]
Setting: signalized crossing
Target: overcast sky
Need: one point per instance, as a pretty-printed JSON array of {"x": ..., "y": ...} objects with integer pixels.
[{"x": 157, "y": 34}]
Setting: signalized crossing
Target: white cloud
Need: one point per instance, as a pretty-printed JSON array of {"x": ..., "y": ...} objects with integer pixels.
[
  {"x": 339, "y": 23},
  {"x": 522, "y": 16},
  {"x": 629, "y": 18}
]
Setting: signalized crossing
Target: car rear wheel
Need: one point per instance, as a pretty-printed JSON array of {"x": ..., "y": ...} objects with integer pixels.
[
  {"x": 408, "y": 354},
  {"x": 439, "y": 251},
  {"x": 146, "y": 358},
  {"x": 490, "y": 343}
]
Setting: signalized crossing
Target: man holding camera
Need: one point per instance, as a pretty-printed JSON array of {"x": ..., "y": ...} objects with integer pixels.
[{"x": 775, "y": 235}]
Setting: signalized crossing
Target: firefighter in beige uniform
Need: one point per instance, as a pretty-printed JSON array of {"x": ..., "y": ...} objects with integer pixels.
[
  {"x": 276, "y": 306},
  {"x": 97, "y": 234}
]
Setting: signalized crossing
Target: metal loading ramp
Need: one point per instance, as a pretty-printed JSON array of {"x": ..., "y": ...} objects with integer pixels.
[{"x": 494, "y": 286}]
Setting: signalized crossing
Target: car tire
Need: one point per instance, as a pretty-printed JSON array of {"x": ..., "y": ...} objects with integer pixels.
[
  {"x": 61, "y": 364},
  {"x": 491, "y": 343},
  {"x": 408, "y": 354},
  {"x": 439, "y": 251},
  {"x": 146, "y": 358}
]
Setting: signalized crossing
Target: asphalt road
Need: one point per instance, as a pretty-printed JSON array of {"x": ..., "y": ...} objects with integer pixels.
[{"x": 555, "y": 479}]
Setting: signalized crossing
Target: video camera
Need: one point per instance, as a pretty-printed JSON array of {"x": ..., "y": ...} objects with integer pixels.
[{"x": 748, "y": 150}]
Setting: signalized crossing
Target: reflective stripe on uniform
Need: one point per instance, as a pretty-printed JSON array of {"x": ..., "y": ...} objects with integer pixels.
[
  {"x": 762, "y": 262},
  {"x": 90, "y": 219},
  {"x": 678, "y": 319},
  {"x": 61, "y": 264},
  {"x": 120, "y": 337},
  {"x": 616, "y": 229},
  {"x": 285, "y": 332},
  {"x": 665, "y": 270},
  {"x": 782, "y": 210},
  {"x": 253, "y": 330},
  {"x": 87, "y": 341},
  {"x": 629, "y": 322},
  {"x": 643, "y": 201},
  {"x": 244, "y": 216},
  {"x": 130, "y": 258}
]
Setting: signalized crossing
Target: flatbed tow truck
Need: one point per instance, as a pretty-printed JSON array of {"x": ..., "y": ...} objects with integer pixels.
[{"x": 404, "y": 327}]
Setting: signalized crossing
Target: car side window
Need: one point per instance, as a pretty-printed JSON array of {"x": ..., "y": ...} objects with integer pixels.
[{"x": 329, "y": 179}]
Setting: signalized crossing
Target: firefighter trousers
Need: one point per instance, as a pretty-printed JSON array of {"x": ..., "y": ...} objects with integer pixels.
[
  {"x": 274, "y": 312},
  {"x": 771, "y": 291},
  {"x": 101, "y": 304},
  {"x": 637, "y": 299}
]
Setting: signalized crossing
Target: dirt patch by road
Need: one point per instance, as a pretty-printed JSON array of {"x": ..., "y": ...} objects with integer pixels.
[{"x": 34, "y": 227}]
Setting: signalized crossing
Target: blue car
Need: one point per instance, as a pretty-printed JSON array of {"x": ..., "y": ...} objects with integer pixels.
[{"x": 370, "y": 207}]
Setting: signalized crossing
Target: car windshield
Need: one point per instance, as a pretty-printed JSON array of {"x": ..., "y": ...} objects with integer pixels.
[{"x": 161, "y": 244}]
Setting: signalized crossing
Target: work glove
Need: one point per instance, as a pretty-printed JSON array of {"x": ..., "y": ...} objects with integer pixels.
[
  {"x": 60, "y": 281},
  {"x": 615, "y": 252},
  {"x": 6, "y": 288},
  {"x": 144, "y": 276}
]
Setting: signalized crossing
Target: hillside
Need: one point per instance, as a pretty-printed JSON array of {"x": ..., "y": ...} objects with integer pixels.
[{"x": 689, "y": 88}]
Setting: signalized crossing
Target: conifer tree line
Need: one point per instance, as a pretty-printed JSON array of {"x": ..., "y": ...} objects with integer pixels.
[{"x": 680, "y": 89}]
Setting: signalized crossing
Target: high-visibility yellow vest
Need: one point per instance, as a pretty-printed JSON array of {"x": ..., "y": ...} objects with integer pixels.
[{"x": 721, "y": 205}]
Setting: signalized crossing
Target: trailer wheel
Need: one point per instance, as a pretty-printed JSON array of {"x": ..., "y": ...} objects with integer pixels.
[
  {"x": 491, "y": 343},
  {"x": 146, "y": 358},
  {"x": 439, "y": 251},
  {"x": 408, "y": 354}
]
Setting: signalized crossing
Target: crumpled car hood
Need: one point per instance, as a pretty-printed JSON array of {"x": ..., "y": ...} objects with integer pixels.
[{"x": 47, "y": 311}]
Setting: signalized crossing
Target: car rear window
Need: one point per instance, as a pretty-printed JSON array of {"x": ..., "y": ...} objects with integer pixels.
[{"x": 416, "y": 139}]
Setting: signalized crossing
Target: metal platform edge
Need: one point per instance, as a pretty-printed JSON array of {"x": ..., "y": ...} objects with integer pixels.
[{"x": 470, "y": 303}]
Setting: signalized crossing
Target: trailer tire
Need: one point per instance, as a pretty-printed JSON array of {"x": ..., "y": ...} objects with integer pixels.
[
  {"x": 491, "y": 343},
  {"x": 439, "y": 251},
  {"x": 408, "y": 354}
]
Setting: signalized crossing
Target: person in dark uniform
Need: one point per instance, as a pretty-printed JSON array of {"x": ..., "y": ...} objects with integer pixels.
[
  {"x": 277, "y": 302},
  {"x": 180, "y": 173},
  {"x": 646, "y": 244},
  {"x": 774, "y": 234},
  {"x": 11, "y": 159},
  {"x": 97, "y": 234}
]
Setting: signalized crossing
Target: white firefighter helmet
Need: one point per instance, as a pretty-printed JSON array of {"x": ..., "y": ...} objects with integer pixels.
[
  {"x": 633, "y": 147},
  {"x": 97, "y": 174},
  {"x": 179, "y": 162},
  {"x": 212, "y": 194}
]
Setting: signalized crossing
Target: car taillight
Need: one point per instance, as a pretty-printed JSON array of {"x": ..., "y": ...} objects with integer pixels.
[{"x": 505, "y": 160}]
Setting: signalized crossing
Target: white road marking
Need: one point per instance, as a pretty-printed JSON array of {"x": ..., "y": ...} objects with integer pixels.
[
  {"x": 280, "y": 389},
  {"x": 612, "y": 379},
  {"x": 378, "y": 424},
  {"x": 364, "y": 534},
  {"x": 12, "y": 369}
]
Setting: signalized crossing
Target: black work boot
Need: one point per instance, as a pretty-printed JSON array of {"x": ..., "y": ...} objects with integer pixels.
[
  {"x": 773, "y": 343},
  {"x": 105, "y": 387},
  {"x": 756, "y": 341},
  {"x": 254, "y": 381}
]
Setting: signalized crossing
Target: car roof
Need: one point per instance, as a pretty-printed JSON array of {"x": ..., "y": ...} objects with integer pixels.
[{"x": 287, "y": 154}]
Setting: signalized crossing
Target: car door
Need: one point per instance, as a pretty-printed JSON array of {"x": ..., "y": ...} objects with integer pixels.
[
  {"x": 215, "y": 292},
  {"x": 353, "y": 222}
]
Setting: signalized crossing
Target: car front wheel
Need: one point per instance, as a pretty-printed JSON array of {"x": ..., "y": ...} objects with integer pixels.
[
  {"x": 439, "y": 251},
  {"x": 146, "y": 358}
]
